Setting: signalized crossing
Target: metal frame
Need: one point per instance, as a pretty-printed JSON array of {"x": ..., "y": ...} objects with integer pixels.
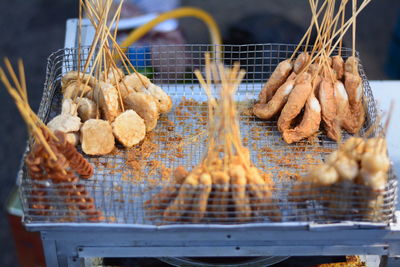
[{"x": 68, "y": 244}]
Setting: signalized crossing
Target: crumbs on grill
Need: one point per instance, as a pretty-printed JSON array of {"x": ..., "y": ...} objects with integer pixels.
[{"x": 171, "y": 141}]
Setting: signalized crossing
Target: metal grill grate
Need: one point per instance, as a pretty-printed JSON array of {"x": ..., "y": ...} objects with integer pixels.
[{"x": 126, "y": 180}]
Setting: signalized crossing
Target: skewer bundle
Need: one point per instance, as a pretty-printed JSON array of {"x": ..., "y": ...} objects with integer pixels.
[
  {"x": 316, "y": 86},
  {"x": 51, "y": 157},
  {"x": 352, "y": 181},
  {"x": 101, "y": 104},
  {"x": 226, "y": 185}
]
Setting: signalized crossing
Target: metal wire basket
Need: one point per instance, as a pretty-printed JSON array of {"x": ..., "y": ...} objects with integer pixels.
[{"x": 125, "y": 182}]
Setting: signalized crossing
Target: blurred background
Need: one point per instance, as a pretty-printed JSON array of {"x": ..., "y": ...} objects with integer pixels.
[{"x": 33, "y": 29}]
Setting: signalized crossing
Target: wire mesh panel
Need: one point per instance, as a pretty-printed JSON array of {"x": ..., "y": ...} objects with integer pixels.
[{"x": 127, "y": 182}]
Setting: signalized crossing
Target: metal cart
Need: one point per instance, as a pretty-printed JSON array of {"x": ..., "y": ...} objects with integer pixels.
[{"x": 126, "y": 232}]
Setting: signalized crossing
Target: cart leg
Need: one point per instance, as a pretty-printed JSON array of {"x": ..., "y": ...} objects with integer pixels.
[
  {"x": 50, "y": 252},
  {"x": 384, "y": 261}
]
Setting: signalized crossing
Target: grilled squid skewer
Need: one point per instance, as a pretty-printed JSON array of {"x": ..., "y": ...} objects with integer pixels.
[
  {"x": 329, "y": 109},
  {"x": 338, "y": 66},
  {"x": 300, "y": 62},
  {"x": 342, "y": 102},
  {"x": 278, "y": 77},
  {"x": 267, "y": 111},
  {"x": 309, "y": 124},
  {"x": 356, "y": 114},
  {"x": 296, "y": 101}
]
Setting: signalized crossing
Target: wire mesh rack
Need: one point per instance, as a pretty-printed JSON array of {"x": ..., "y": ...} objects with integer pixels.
[{"x": 127, "y": 181}]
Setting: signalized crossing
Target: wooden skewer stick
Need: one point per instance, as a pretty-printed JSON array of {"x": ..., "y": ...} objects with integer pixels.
[
  {"x": 354, "y": 28},
  {"x": 307, "y": 33},
  {"x": 20, "y": 98}
]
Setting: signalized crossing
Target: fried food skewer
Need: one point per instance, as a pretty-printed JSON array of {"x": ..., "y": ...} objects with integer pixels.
[
  {"x": 278, "y": 77},
  {"x": 275, "y": 105},
  {"x": 296, "y": 101},
  {"x": 309, "y": 124}
]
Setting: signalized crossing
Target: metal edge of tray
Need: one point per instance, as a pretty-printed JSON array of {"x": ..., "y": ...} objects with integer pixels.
[{"x": 272, "y": 226}]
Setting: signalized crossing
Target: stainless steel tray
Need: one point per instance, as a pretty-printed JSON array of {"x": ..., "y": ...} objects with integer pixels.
[{"x": 125, "y": 180}]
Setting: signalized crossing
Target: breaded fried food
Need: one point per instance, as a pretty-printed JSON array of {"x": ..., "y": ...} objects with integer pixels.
[
  {"x": 351, "y": 65},
  {"x": 260, "y": 192},
  {"x": 329, "y": 109},
  {"x": 296, "y": 102},
  {"x": 65, "y": 123},
  {"x": 129, "y": 128},
  {"x": 221, "y": 195},
  {"x": 133, "y": 83},
  {"x": 301, "y": 62},
  {"x": 75, "y": 89},
  {"x": 356, "y": 114},
  {"x": 275, "y": 105},
  {"x": 145, "y": 106},
  {"x": 338, "y": 67},
  {"x": 201, "y": 197},
  {"x": 72, "y": 76},
  {"x": 309, "y": 124},
  {"x": 163, "y": 100},
  {"x": 278, "y": 77},
  {"x": 114, "y": 76},
  {"x": 69, "y": 106},
  {"x": 169, "y": 192},
  {"x": 184, "y": 201},
  {"x": 239, "y": 196},
  {"x": 106, "y": 96},
  {"x": 97, "y": 137},
  {"x": 72, "y": 138},
  {"x": 87, "y": 109}
]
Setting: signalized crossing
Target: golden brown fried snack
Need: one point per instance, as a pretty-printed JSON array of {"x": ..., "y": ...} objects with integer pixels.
[
  {"x": 239, "y": 196},
  {"x": 106, "y": 97},
  {"x": 201, "y": 197},
  {"x": 69, "y": 106},
  {"x": 329, "y": 109},
  {"x": 97, "y": 137},
  {"x": 354, "y": 87},
  {"x": 275, "y": 105},
  {"x": 72, "y": 76},
  {"x": 296, "y": 102},
  {"x": 162, "y": 99},
  {"x": 133, "y": 83},
  {"x": 72, "y": 138},
  {"x": 221, "y": 197},
  {"x": 65, "y": 123},
  {"x": 356, "y": 114},
  {"x": 309, "y": 125},
  {"x": 338, "y": 66},
  {"x": 160, "y": 201},
  {"x": 129, "y": 128},
  {"x": 375, "y": 164},
  {"x": 73, "y": 90},
  {"x": 351, "y": 65},
  {"x": 114, "y": 76},
  {"x": 278, "y": 77},
  {"x": 145, "y": 106},
  {"x": 87, "y": 109},
  {"x": 342, "y": 102},
  {"x": 184, "y": 201},
  {"x": 261, "y": 194},
  {"x": 300, "y": 62}
]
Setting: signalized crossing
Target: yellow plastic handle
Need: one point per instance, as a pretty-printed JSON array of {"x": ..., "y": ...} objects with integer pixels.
[{"x": 174, "y": 14}]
